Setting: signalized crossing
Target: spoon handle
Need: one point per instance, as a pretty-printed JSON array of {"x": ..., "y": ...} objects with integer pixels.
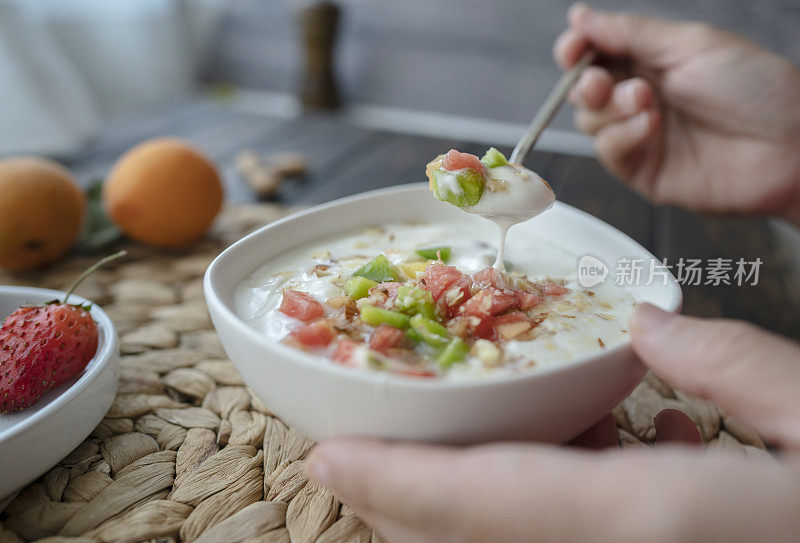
[{"x": 549, "y": 108}]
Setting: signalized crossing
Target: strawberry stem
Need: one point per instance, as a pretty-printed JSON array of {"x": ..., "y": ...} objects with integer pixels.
[{"x": 91, "y": 270}]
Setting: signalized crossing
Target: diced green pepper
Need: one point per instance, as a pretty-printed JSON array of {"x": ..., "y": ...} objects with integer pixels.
[
  {"x": 456, "y": 351},
  {"x": 494, "y": 158},
  {"x": 429, "y": 331},
  {"x": 434, "y": 253},
  {"x": 375, "y": 316},
  {"x": 414, "y": 300},
  {"x": 378, "y": 269},
  {"x": 376, "y": 361},
  {"x": 462, "y": 188},
  {"x": 358, "y": 287},
  {"x": 413, "y": 335}
]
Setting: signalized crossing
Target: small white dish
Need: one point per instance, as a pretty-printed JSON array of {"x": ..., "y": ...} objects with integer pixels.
[
  {"x": 36, "y": 438},
  {"x": 322, "y": 399}
]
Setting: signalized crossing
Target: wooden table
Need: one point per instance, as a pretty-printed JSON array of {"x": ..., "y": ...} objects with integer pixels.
[{"x": 346, "y": 159}]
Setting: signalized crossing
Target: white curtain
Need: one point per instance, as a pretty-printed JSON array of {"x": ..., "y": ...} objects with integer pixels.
[{"x": 65, "y": 64}]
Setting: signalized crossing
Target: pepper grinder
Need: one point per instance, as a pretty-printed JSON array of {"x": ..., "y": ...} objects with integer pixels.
[{"x": 319, "y": 26}]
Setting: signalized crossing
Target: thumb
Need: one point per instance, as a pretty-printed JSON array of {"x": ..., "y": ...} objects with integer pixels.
[
  {"x": 749, "y": 372},
  {"x": 653, "y": 42}
]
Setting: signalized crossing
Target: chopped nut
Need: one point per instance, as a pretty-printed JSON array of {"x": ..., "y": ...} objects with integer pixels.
[
  {"x": 510, "y": 330},
  {"x": 487, "y": 352},
  {"x": 337, "y": 302},
  {"x": 453, "y": 295}
]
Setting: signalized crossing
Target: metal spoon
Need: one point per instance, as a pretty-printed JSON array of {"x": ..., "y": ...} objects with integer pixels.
[{"x": 549, "y": 108}]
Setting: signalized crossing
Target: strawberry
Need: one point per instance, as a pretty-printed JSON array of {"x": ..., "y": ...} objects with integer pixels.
[{"x": 43, "y": 347}]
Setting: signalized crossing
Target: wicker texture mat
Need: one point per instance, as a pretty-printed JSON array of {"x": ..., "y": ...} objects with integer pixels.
[{"x": 187, "y": 453}]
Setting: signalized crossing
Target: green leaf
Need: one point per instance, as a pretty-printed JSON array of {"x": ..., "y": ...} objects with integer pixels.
[{"x": 98, "y": 230}]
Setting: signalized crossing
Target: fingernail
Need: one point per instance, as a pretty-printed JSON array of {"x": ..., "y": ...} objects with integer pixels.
[
  {"x": 649, "y": 319},
  {"x": 317, "y": 470},
  {"x": 640, "y": 123},
  {"x": 629, "y": 102},
  {"x": 580, "y": 13}
]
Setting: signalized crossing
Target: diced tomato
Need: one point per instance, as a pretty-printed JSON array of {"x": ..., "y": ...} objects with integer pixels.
[
  {"x": 489, "y": 302},
  {"x": 301, "y": 305},
  {"x": 527, "y": 300},
  {"x": 385, "y": 293},
  {"x": 385, "y": 337},
  {"x": 491, "y": 277},
  {"x": 317, "y": 334},
  {"x": 458, "y": 293},
  {"x": 456, "y": 160},
  {"x": 483, "y": 327},
  {"x": 551, "y": 289},
  {"x": 344, "y": 351},
  {"x": 439, "y": 277},
  {"x": 449, "y": 287},
  {"x": 481, "y": 310}
]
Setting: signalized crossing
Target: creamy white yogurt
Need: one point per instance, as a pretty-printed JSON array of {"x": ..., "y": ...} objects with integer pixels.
[
  {"x": 578, "y": 323},
  {"x": 513, "y": 194}
]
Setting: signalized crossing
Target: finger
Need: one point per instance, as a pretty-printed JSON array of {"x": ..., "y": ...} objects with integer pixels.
[
  {"x": 654, "y": 42},
  {"x": 568, "y": 48},
  {"x": 620, "y": 146},
  {"x": 594, "y": 88},
  {"x": 380, "y": 489},
  {"x": 748, "y": 372},
  {"x": 476, "y": 494},
  {"x": 626, "y": 99},
  {"x": 535, "y": 493}
]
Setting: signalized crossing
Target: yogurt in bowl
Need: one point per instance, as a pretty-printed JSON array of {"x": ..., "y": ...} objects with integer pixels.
[
  {"x": 440, "y": 310},
  {"x": 551, "y": 399}
]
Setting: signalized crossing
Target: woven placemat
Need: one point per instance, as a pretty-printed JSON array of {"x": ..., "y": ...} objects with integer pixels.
[{"x": 187, "y": 453}]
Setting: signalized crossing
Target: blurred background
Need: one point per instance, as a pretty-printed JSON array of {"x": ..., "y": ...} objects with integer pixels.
[
  {"x": 363, "y": 93},
  {"x": 67, "y": 66}
]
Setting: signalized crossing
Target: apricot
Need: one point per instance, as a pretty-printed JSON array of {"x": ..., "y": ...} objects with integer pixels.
[
  {"x": 163, "y": 192},
  {"x": 41, "y": 212}
]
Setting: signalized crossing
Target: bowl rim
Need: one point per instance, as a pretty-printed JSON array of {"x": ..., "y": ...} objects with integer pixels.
[
  {"x": 99, "y": 362},
  {"x": 315, "y": 362}
]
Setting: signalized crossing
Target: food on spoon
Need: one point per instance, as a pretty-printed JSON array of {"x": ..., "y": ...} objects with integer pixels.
[
  {"x": 509, "y": 193},
  {"x": 163, "y": 192},
  {"x": 41, "y": 212},
  {"x": 42, "y": 347},
  {"x": 457, "y": 178},
  {"x": 462, "y": 319},
  {"x": 490, "y": 186},
  {"x": 494, "y": 158}
]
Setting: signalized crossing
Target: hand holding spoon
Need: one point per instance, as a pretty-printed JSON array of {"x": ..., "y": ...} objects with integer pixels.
[{"x": 497, "y": 189}]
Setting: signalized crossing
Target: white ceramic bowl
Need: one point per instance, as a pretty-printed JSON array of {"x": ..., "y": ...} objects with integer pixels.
[
  {"x": 322, "y": 399},
  {"x": 34, "y": 439}
]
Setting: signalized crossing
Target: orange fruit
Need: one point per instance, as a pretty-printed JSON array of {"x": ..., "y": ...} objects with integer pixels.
[
  {"x": 41, "y": 212},
  {"x": 163, "y": 192}
]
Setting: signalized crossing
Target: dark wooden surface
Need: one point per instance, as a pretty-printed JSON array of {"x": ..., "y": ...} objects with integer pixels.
[{"x": 346, "y": 160}]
